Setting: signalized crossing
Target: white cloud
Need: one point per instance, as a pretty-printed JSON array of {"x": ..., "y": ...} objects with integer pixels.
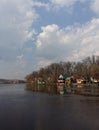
[
  {"x": 41, "y": 4},
  {"x": 19, "y": 58},
  {"x": 16, "y": 28},
  {"x": 71, "y": 43},
  {"x": 95, "y": 6},
  {"x": 16, "y": 20}
]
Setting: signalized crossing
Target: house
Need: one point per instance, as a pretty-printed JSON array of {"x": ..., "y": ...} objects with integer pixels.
[
  {"x": 81, "y": 81},
  {"x": 94, "y": 80},
  {"x": 63, "y": 83}
]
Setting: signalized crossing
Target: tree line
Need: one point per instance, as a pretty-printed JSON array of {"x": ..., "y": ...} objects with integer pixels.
[{"x": 88, "y": 67}]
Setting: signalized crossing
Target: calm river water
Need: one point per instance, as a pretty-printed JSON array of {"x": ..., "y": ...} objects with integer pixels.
[{"x": 26, "y": 110}]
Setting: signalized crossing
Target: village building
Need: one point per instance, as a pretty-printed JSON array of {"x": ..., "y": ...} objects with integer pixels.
[{"x": 63, "y": 83}]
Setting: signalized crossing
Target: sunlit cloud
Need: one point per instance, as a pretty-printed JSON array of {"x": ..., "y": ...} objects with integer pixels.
[{"x": 70, "y": 43}]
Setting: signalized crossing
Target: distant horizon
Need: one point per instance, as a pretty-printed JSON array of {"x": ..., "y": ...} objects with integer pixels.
[{"x": 10, "y": 79}]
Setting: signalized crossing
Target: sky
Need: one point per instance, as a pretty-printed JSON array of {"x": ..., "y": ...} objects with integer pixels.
[{"x": 36, "y": 33}]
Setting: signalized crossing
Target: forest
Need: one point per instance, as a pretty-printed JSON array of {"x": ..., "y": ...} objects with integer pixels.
[{"x": 88, "y": 67}]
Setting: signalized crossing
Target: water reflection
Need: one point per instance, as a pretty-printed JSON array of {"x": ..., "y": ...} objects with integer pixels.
[
  {"x": 89, "y": 90},
  {"x": 51, "y": 89}
]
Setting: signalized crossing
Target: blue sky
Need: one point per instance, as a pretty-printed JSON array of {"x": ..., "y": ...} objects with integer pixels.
[{"x": 36, "y": 33}]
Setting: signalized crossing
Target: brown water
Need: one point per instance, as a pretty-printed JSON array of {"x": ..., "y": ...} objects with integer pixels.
[{"x": 27, "y": 110}]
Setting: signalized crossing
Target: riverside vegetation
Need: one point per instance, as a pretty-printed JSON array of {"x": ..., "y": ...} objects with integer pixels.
[{"x": 89, "y": 67}]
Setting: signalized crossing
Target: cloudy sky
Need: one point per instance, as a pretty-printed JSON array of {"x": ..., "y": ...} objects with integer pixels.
[{"x": 36, "y": 33}]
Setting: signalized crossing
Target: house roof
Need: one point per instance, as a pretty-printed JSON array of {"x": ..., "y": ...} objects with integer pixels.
[{"x": 64, "y": 76}]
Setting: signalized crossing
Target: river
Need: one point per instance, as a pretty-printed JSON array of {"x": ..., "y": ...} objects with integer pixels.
[{"x": 27, "y": 110}]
